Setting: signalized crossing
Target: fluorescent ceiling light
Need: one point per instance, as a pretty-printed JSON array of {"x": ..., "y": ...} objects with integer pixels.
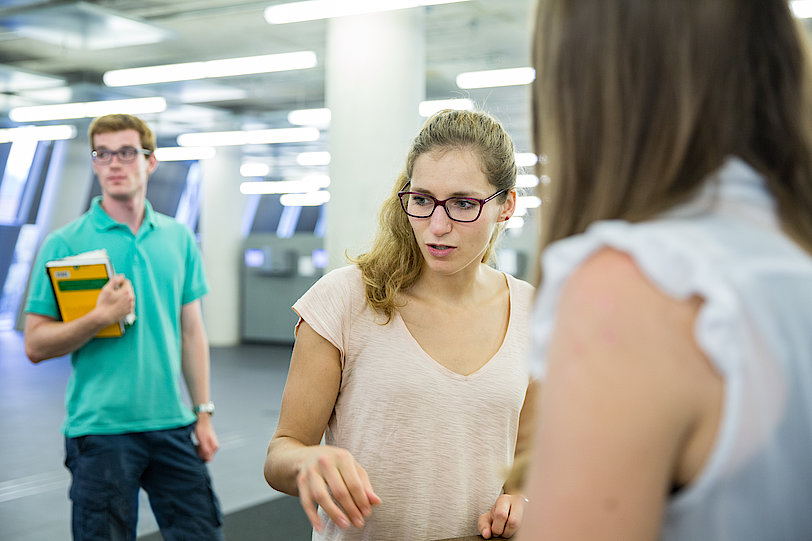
[
  {"x": 37, "y": 133},
  {"x": 91, "y": 109},
  {"x": 15, "y": 80},
  {"x": 311, "y": 183},
  {"x": 254, "y": 169},
  {"x": 81, "y": 26},
  {"x": 527, "y": 181},
  {"x": 248, "y": 137},
  {"x": 310, "y": 117},
  {"x": 319, "y": 181},
  {"x": 58, "y": 94},
  {"x": 204, "y": 93},
  {"x": 429, "y": 107},
  {"x": 183, "y": 154},
  {"x": 802, "y": 9},
  {"x": 526, "y": 159},
  {"x": 227, "y": 67},
  {"x": 500, "y": 77},
  {"x": 528, "y": 201},
  {"x": 313, "y": 158},
  {"x": 325, "y": 9},
  {"x": 515, "y": 222},
  {"x": 310, "y": 199}
]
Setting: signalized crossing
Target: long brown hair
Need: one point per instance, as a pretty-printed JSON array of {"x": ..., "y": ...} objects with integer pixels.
[
  {"x": 394, "y": 262},
  {"x": 637, "y": 101}
]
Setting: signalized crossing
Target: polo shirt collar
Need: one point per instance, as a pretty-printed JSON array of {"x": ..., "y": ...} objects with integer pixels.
[{"x": 103, "y": 221}]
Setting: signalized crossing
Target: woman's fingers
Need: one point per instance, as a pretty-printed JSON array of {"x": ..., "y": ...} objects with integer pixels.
[
  {"x": 504, "y": 518},
  {"x": 370, "y": 492},
  {"x": 499, "y": 515},
  {"x": 346, "y": 488},
  {"x": 483, "y": 525},
  {"x": 306, "y": 499},
  {"x": 340, "y": 486}
]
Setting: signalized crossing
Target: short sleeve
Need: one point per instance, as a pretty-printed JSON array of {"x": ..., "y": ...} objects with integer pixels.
[
  {"x": 41, "y": 298},
  {"x": 194, "y": 284},
  {"x": 668, "y": 253},
  {"x": 328, "y": 305}
]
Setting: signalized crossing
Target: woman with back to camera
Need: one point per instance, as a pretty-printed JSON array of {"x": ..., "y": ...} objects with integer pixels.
[
  {"x": 672, "y": 328},
  {"x": 413, "y": 359}
]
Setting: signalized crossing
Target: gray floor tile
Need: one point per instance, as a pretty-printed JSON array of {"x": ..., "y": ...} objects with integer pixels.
[{"x": 247, "y": 384}]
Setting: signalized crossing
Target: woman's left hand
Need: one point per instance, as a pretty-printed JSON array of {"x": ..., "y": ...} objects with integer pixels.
[{"x": 504, "y": 518}]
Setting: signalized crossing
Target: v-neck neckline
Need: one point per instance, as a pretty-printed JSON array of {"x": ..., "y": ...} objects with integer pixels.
[{"x": 443, "y": 368}]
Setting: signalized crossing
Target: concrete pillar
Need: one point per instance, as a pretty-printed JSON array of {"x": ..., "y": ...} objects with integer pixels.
[
  {"x": 66, "y": 189},
  {"x": 375, "y": 80},
  {"x": 221, "y": 211}
]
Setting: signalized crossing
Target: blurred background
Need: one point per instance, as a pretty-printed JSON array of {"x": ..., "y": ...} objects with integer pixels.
[
  {"x": 281, "y": 128},
  {"x": 287, "y": 128}
]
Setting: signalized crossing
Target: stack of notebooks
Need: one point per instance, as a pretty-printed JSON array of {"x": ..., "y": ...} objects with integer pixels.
[{"x": 77, "y": 281}]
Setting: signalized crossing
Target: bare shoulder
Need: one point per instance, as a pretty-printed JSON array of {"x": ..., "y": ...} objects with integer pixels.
[
  {"x": 609, "y": 287},
  {"x": 606, "y": 270},
  {"x": 626, "y": 375},
  {"x": 613, "y": 321}
]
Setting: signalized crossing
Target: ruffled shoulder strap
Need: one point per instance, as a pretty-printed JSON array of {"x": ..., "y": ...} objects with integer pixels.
[{"x": 676, "y": 256}]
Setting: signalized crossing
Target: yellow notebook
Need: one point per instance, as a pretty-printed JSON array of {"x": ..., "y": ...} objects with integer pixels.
[{"x": 77, "y": 281}]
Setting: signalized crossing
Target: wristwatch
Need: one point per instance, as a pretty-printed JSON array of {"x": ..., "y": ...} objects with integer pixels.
[{"x": 206, "y": 407}]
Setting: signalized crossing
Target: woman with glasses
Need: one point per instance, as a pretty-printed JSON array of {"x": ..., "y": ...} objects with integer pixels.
[
  {"x": 411, "y": 361},
  {"x": 674, "y": 324}
]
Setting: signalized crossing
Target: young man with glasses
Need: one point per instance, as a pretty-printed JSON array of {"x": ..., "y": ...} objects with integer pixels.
[
  {"x": 127, "y": 426},
  {"x": 411, "y": 362}
]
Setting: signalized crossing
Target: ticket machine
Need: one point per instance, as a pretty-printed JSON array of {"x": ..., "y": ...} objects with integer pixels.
[{"x": 275, "y": 273}]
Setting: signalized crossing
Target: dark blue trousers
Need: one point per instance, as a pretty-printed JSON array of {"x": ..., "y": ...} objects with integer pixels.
[{"x": 109, "y": 470}]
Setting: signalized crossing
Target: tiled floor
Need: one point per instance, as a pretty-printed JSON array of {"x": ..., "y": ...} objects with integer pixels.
[{"x": 247, "y": 384}]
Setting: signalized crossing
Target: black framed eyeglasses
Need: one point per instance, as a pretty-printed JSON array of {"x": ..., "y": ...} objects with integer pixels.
[
  {"x": 125, "y": 154},
  {"x": 459, "y": 209}
]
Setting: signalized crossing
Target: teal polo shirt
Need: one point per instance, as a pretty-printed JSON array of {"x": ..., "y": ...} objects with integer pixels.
[{"x": 129, "y": 383}]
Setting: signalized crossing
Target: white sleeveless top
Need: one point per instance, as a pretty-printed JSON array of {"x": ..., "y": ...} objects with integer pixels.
[
  {"x": 436, "y": 444},
  {"x": 756, "y": 328}
]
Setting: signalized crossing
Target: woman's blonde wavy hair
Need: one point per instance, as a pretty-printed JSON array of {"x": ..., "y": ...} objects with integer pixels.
[{"x": 394, "y": 262}]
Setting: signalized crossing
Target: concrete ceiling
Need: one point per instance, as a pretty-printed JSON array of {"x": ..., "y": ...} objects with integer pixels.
[{"x": 73, "y": 43}]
